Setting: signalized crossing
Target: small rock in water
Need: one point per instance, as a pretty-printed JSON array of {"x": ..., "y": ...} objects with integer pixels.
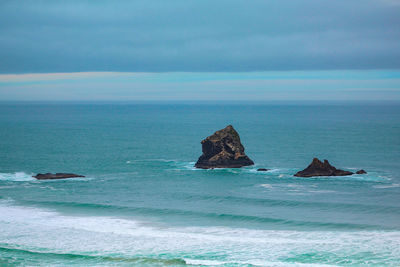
[
  {"x": 361, "y": 172},
  {"x": 49, "y": 176},
  {"x": 262, "y": 170},
  {"x": 223, "y": 149},
  {"x": 318, "y": 168}
]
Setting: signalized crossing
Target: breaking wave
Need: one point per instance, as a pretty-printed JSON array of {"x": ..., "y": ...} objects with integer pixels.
[
  {"x": 51, "y": 237},
  {"x": 17, "y": 177}
]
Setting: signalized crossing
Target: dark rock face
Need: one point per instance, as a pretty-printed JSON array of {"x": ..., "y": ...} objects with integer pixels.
[
  {"x": 262, "y": 170},
  {"x": 223, "y": 149},
  {"x": 361, "y": 172},
  {"x": 48, "y": 176},
  {"x": 317, "y": 168}
]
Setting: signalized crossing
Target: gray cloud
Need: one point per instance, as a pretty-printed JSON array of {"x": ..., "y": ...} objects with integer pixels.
[{"x": 189, "y": 35}]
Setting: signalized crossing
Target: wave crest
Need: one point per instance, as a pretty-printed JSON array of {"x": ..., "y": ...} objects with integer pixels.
[{"x": 17, "y": 177}]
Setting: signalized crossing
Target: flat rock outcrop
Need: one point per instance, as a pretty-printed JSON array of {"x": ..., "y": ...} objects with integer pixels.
[
  {"x": 49, "y": 176},
  {"x": 361, "y": 172},
  {"x": 223, "y": 149},
  {"x": 319, "y": 168},
  {"x": 262, "y": 170}
]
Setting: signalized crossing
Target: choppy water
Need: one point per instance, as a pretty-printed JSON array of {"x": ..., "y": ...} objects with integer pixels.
[{"x": 143, "y": 203}]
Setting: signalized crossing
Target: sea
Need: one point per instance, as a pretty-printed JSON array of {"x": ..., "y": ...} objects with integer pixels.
[{"x": 142, "y": 202}]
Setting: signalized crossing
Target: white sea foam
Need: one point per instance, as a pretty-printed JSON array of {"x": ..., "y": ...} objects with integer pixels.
[
  {"x": 42, "y": 229},
  {"x": 369, "y": 177},
  {"x": 251, "y": 262},
  {"x": 189, "y": 165},
  {"x": 387, "y": 186},
  {"x": 322, "y": 191},
  {"x": 183, "y": 166},
  {"x": 17, "y": 176},
  {"x": 266, "y": 186},
  {"x": 26, "y": 177},
  {"x": 274, "y": 172}
]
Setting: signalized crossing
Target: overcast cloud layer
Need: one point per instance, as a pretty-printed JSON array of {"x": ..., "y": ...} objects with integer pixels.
[{"x": 188, "y": 35}]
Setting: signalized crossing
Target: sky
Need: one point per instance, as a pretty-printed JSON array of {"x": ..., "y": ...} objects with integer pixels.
[{"x": 191, "y": 49}]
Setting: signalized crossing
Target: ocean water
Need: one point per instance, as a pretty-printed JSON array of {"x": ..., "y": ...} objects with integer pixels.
[{"x": 143, "y": 204}]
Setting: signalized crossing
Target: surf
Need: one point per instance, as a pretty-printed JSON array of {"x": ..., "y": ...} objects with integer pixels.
[{"x": 32, "y": 229}]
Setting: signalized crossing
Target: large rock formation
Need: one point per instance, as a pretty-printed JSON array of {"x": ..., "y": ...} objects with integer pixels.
[
  {"x": 317, "y": 168},
  {"x": 49, "y": 176},
  {"x": 223, "y": 149}
]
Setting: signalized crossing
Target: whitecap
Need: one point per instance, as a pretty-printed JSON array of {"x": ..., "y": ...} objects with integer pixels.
[
  {"x": 17, "y": 177},
  {"x": 387, "y": 186},
  {"x": 370, "y": 177},
  {"x": 249, "y": 262},
  {"x": 322, "y": 191},
  {"x": 183, "y": 166},
  {"x": 35, "y": 228}
]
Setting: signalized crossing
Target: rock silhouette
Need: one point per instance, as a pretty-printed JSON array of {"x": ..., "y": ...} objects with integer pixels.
[
  {"x": 361, "y": 172},
  {"x": 318, "y": 168},
  {"x": 262, "y": 170},
  {"x": 49, "y": 176},
  {"x": 223, "y": 149}
]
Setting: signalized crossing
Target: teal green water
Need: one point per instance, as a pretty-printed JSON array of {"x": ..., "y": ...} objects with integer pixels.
[{"x": 143, "y": 203}]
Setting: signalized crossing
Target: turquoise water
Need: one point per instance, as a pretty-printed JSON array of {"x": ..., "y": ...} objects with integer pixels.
[{"x": 143, "y": 203}]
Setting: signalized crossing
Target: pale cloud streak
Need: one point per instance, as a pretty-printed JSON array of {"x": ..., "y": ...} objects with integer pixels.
[
  {"x": 34, "y": 77},
  {"x": 258, "y": 86}
]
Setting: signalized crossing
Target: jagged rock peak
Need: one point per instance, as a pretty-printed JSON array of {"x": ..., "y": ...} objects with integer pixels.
[
  {"x": 319, "y": 168},
  {"x": 223, "y": 149}
]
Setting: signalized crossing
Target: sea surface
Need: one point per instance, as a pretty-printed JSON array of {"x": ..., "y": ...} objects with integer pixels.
[{"x": 144, "y": 204}]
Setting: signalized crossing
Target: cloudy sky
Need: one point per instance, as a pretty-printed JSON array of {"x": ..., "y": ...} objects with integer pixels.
[{"x": 177, "y": 49}]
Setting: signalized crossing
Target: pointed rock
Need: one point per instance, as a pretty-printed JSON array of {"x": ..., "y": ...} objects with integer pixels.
[
  {"x": 223, "y": 149},
  {"x": 361, "y": 172},
  {"x": 318, "y": 168}
]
